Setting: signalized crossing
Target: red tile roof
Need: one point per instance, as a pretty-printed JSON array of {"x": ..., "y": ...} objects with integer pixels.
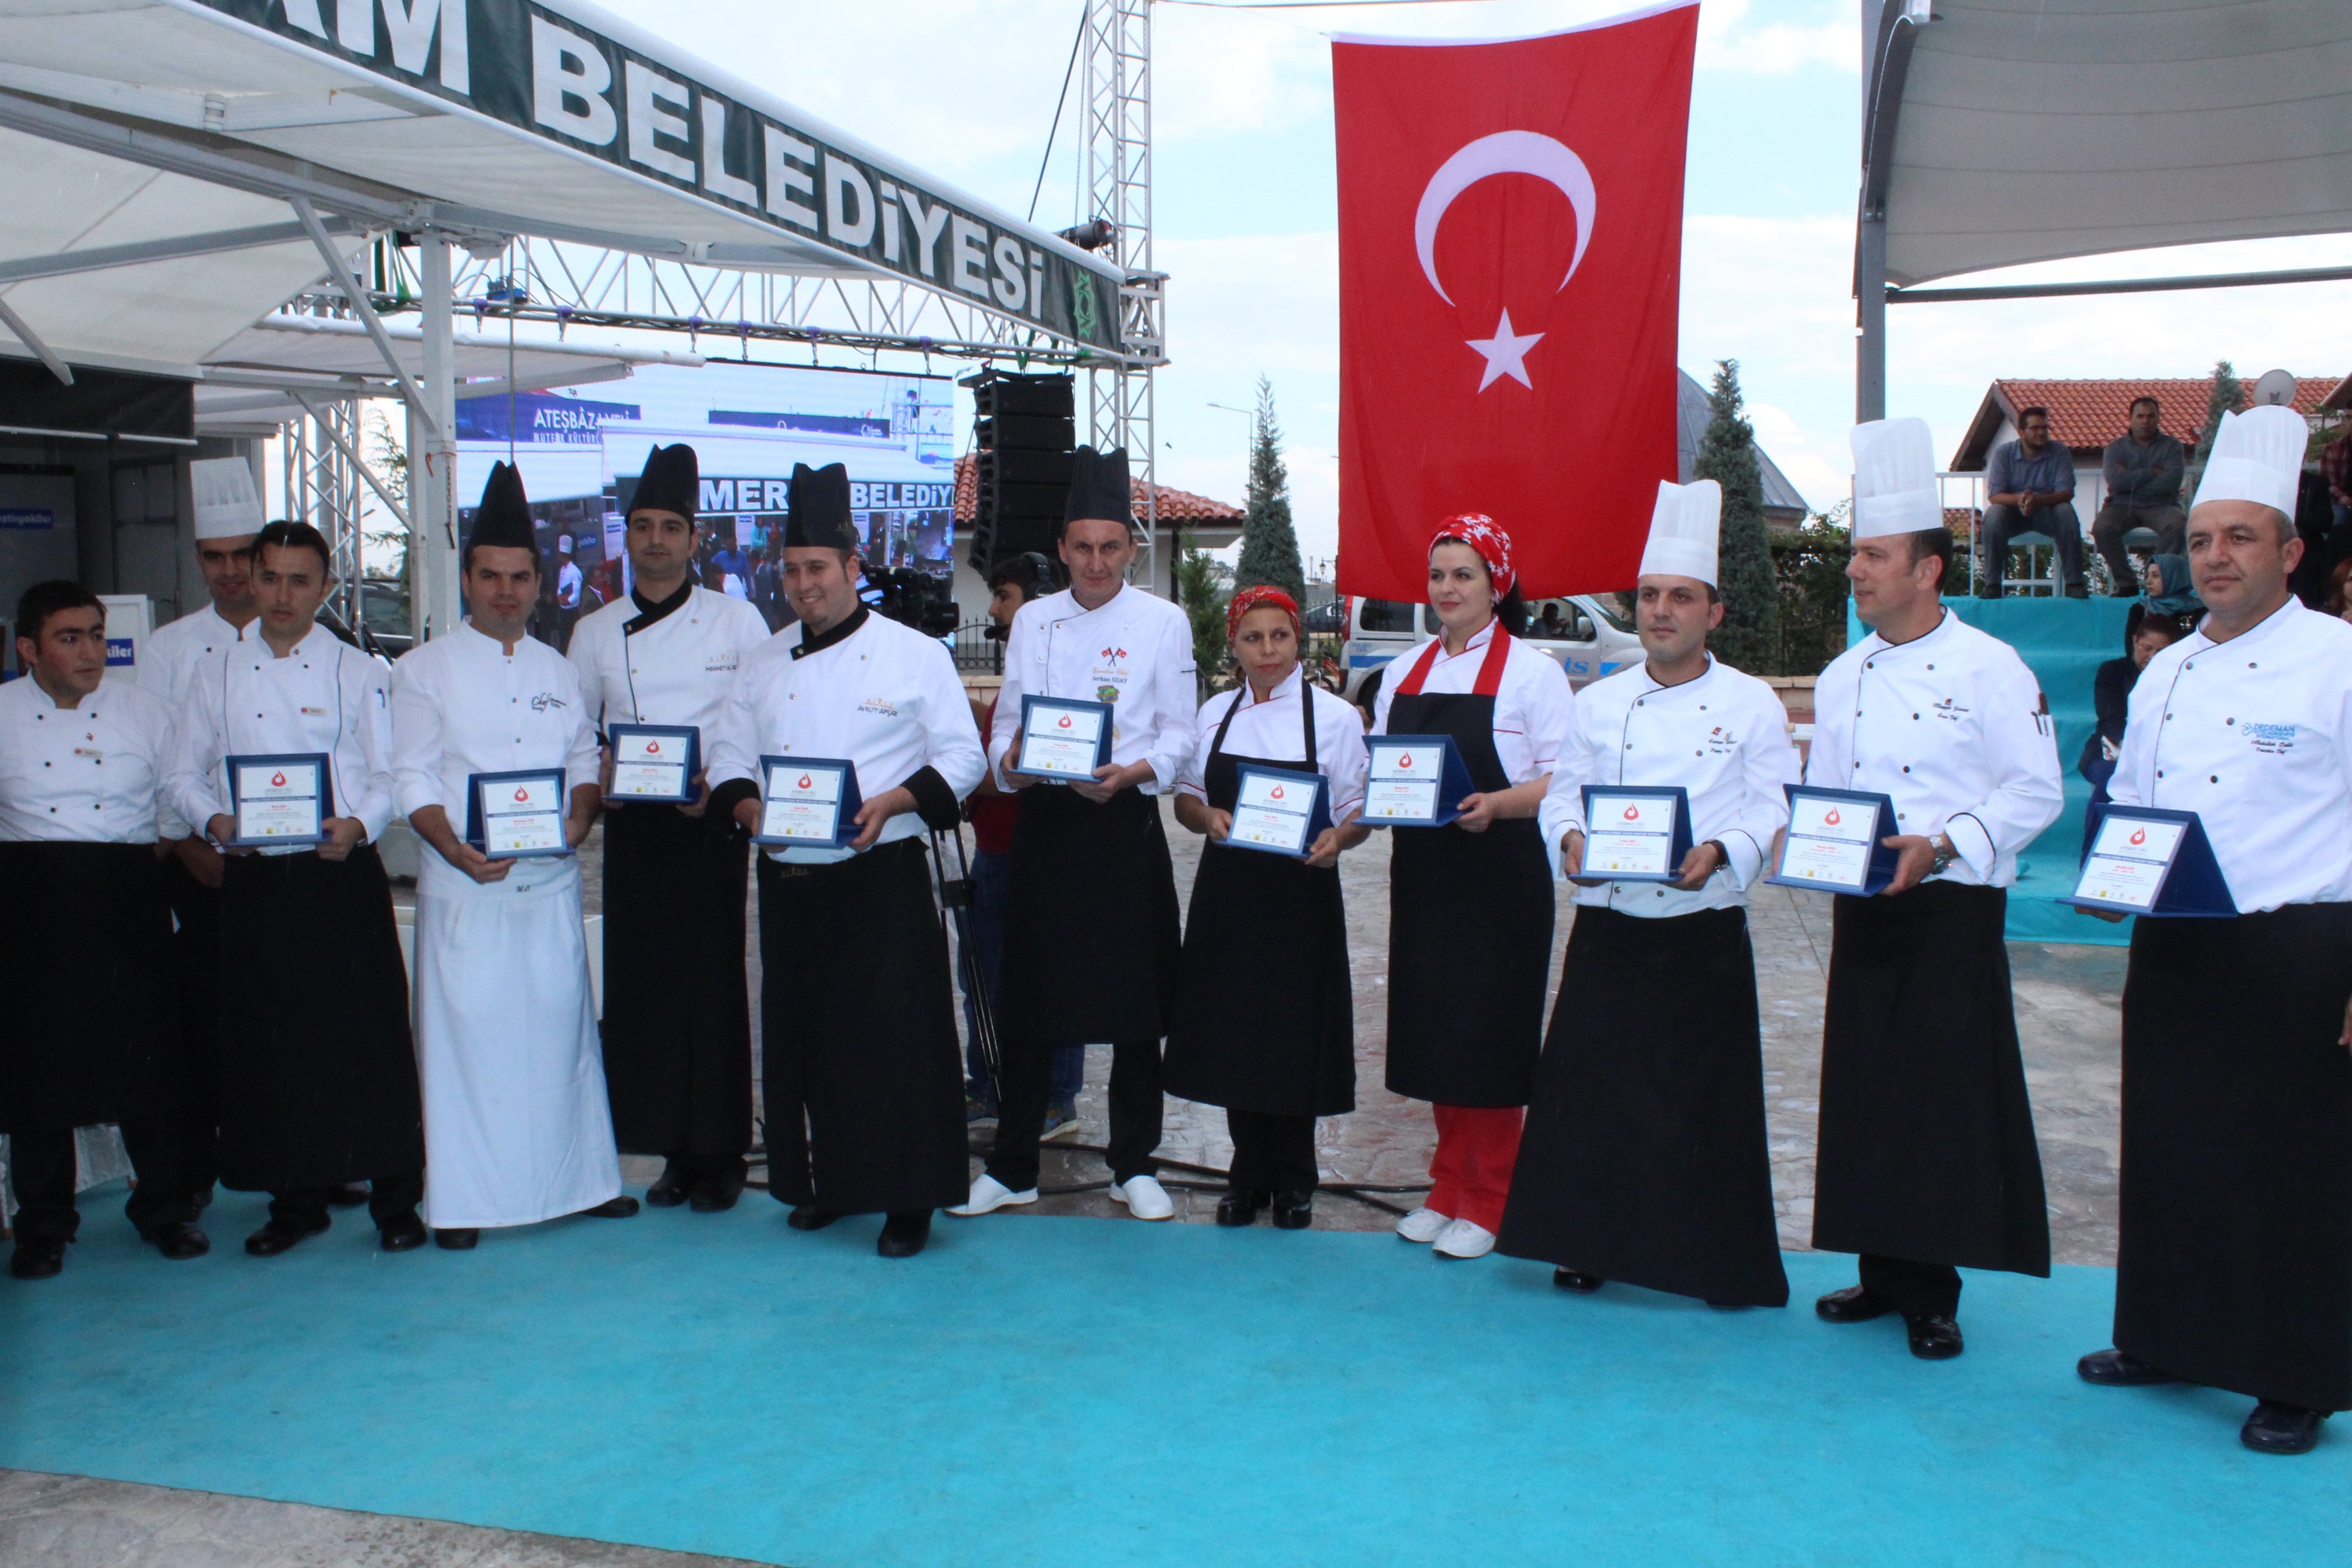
[
  {"x": 1175, "y": 505},
  {"x": 2087, "y": 415}
]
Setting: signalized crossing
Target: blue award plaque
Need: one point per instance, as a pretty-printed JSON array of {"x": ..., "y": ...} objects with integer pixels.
[
  {"x": 2147, "y": 860},
  {"x": 811, "y": 803},
  {"x": 1635, "y": 833},
  {"x": 1416, "y": 781},
  {"x": 1279, "y": 811},
  {"x": 1833, "y": 842}
]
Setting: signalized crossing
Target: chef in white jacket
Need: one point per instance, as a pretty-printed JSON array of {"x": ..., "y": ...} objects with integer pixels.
[
  {"x": 517, "y": 1127},
  {"x": 862, "y": 1071},
  {"x": 1646, "y": 1158}
]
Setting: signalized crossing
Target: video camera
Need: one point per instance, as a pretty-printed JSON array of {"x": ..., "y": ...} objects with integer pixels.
[{"x": 915, "y": 599}]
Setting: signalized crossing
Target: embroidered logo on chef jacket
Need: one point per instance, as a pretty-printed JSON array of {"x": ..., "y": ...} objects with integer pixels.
[
  {"x": 1108, "y": 677},
  {"x": 545, "y": 700},
  {"x": 717, "y": 665},
  {"x": 1720, "y": 743},
  {"x": 1951, "y": 710},
  {"x": 880, "y": 707},
  {"x": 2271, "y": 739},
  {"x": 310, "y": 712}
]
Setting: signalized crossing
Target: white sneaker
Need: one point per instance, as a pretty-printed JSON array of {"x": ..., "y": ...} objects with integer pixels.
[
  {"x": 989, "y": 1194},
  {"x": 1423, "y": 1225},
  {"x": 1463, "y": 1239},
  {"x": 1145, "y": 1198}
]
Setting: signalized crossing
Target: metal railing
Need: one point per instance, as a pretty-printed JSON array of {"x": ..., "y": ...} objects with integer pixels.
[{"x": 977, "y": 653}]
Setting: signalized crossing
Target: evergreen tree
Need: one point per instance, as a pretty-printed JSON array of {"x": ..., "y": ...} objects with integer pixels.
[
  {"x": 1198, "y": 577},
  {"x": 1269, "y": 544},
  {"x": 1750, "y": 637},
  {"x": 2229, "y": 395}
]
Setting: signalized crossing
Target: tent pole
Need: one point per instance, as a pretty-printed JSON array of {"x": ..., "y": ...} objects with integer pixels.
[
  {"x": 1870, "y": 305},
  {"x": 433, "y": 452}
]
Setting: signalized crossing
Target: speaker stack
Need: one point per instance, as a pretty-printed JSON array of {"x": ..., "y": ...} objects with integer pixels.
[{"x": 1026, "y": 432}]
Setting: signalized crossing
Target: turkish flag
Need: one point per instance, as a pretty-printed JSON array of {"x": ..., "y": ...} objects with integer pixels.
[{"x": 1510, "y": 247}]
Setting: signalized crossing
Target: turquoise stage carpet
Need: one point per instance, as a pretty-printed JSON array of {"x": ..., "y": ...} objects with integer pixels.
[{"x": 1107, "y": 1394}]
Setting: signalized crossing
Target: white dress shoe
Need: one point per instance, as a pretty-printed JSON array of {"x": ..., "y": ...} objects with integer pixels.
[
  {"x": 989, "y": 1194},
  {"x": 1423, "y": 1225},
  {"x": 1145, "y": 1198},
  {"x": 1463, "y": 1239}
]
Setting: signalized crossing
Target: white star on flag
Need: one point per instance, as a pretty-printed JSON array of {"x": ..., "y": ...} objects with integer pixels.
[{"x": 1506, "y": 355}]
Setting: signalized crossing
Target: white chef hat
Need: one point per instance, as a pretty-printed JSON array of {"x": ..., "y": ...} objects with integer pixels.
[
  {"x": 1894, "y": 479},
  {"x": 563, "y": 543},
  {"x": 1683, "y": 530},
  {"x": 2257, "y": 456},
  {"x": 226, "y": 505}
]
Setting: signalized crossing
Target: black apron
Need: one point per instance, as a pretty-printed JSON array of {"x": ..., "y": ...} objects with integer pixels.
[
  {"x": 1927, "y": 1134},
  {"x": 1470, "y": 918},
  {"x": 863, "y": 1075},
  {"x": 678, "y": 1009},
  {"x": 1646, "y": 1157},
  {"x": 1091, "y": 927},
  {"x": 318, "y": 1067},
  {"x": 1265, "y": 1018},
  {"x": 2235, "y": 1263},
  {"x": 89, "y": 1007}
]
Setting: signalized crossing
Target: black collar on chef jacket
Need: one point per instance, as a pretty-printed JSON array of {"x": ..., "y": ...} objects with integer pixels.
[
  {"x": 653, "y": 612},
  {"x": 823, "y": 640}
]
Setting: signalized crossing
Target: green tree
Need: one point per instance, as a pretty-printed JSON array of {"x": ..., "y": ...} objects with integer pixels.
[
  {"x": 1198, "y": 579},
  {"x": 1750, "y": 637},
  {"x": 1269, "y": 544},
  {"x": 2229, "y": 396}
]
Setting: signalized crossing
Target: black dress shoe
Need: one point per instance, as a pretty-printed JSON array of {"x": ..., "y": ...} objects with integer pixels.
[
  {"x": 279, "y": 1235},
  {"x": 180, "y": 1240},
  {"x": 808, "y": 1217},
  {"x": 350, "y": 1195},
  {"x": 400, "y": 1233},
  {"x": 462, "y": 1239},
  {"x": 1293, "y": 1211},
  {"x": 1239, "y": 1207},
  {"x": 904, "y": 1233},
  {"x": 2276, "y": 1428},
  {"x": 37, "y": 1260},
  {"x": 1582, "y": 1284},
  {"x": 716, "y": 1194},
  {"x": 1852, "y": 1305},
  {"x": 672, "y": 1190},
  {"x": 621, "y": 1207},
  {"x": 2120, "y": 1368},
  {"x": 1934, "y": 1338}
]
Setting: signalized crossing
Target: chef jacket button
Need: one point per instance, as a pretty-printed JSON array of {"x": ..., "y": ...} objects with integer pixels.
[
  {"x": 1931, "y": 667},
  {"x": 1906, "y": 767},
  {"x": 1698, "y": 754},
  {"x": 1638, "y": 702},
  {"x": 2215, "y": 779},
  {"x": 1900, "y": 818},
  {"x": 2225, "y": 721},
  {"x": 1915, "y": 717},
  {"x": 48, "y": 765},
  {"x": 2159, "y": 772}
]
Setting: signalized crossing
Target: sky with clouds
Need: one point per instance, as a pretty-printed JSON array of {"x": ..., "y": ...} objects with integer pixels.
[{"x": 1245, "y": 214}]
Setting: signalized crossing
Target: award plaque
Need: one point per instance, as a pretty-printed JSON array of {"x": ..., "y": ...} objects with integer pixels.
[
  {"x": 2148, "y": 861},
  {"x": 1063, "y": 739},
  {"x": 1417, "y": 780},
  {"x": 1832, "y": 844},
  {"x": 1279, "y": 811},
  {"x": 1635, "y": 834},
  {"x": 279, "y": 799},
  {"x": 655, "y": 763},
  {"x": 516, "y": 815},
  {"x": 809, "y": 802}
]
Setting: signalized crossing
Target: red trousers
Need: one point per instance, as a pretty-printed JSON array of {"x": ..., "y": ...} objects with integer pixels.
[{"x": 1470, "y": 1174}]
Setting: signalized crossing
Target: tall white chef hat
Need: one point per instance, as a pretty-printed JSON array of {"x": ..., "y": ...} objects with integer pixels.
[
  {"x": 1683, "y": 530},
  {"x": 226, "y": 505},
  {"x": 1894, "y": 479},
  {"x": 2257, "y": 456}
]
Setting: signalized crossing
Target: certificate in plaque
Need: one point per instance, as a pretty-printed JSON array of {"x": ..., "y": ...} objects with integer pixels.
[
  {"x": 1636, "y": 834},
  {"x": 1416, "y": 781},
  {"x": 811, "y": 802},
  {"x": 516, "y": 815},
  {"x": 655, "y": 763},
  {"x": 1063, "y": 739},
  {"x": 2148, "y": 861},
  {"x": 280, "y": 799},
  {"x": 1832, "y": 844},
  {"x": 1279, "y": 811}
]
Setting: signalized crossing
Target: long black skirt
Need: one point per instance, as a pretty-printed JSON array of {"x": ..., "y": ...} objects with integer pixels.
[
  {"x": 1927, "y": 1152},
  {"x": 677, "y": 1008},
  {"x": 318, "y": 1066},
  {"x": 863, "y": 1075},
  {"x": 89, "y": 1007},
  {"x": 2235, "y": 1263},
  {"x": 1091, "y": 929},
  {"x": 1470, "y": 922},
  {"x": 1645, "y": 1158}
]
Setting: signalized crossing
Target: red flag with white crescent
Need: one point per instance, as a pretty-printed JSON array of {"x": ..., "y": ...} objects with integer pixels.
[{"x": 1510, "y": 248}]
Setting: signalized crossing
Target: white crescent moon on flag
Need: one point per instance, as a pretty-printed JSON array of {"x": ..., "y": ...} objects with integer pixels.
[{"x": 1504, "y": 152}]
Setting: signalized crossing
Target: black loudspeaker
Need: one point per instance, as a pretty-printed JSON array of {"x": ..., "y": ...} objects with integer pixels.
[{"x": 1024, "y": 433}]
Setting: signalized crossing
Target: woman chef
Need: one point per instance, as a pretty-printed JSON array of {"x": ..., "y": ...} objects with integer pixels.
[
  {"x": 1470, "y": 904},
  {"x": 1264, "y": 1021}
]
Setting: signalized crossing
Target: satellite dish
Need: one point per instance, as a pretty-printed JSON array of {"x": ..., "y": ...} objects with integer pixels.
[{"x": 2276, "y": 389}]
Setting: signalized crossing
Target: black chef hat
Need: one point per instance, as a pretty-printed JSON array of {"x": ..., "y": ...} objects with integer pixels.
[
  {"x": 1098, "y": 486},
  {"x": 672, "y": 481},
  {"x": 818, "y": 514},
  {"x": 503, "y": 519}
]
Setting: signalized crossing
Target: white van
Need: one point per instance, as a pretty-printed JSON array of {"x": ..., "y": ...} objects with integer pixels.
[{"x": 1585, "y": 634}]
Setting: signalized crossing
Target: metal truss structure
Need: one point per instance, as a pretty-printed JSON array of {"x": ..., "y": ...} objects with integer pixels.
[
  {"x": 322, "y": 463},
  {"x": 1118, "y": 181}
]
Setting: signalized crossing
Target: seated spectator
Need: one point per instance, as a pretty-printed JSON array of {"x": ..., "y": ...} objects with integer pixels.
[
  {"x": 2147, "y": 634},
  {"x": 2030, "y": 488},
  {"x": 2170, "y": 591},
  {"x": 2142, "y": 468}
]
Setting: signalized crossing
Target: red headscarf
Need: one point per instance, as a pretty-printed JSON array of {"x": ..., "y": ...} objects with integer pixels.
[
  {"x": 1492, "y": 545},
  {"x": 1258, "y": 599}
]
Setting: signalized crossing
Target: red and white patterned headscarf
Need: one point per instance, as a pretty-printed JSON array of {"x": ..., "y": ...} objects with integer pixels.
[
  {"x": 1258, "y": 599},
  {"x": 1492, "y": 545}
]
